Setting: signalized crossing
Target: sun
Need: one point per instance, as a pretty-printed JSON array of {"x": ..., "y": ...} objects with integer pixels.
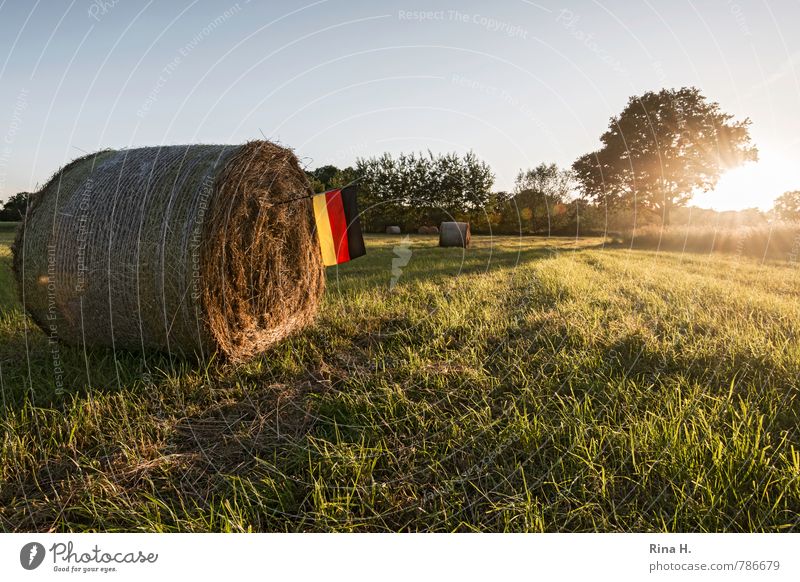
[{"x": 752, "y": 185}]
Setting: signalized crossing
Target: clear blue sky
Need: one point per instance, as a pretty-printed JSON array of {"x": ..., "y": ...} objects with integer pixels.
[{"x": 517, "y": 82}]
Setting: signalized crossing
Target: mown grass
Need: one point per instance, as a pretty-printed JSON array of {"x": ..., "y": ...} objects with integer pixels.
[{"x": 526, "y": 385}]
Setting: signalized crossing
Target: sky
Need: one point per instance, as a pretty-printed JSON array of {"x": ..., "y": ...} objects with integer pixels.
[{"x": 515, "y": 81}]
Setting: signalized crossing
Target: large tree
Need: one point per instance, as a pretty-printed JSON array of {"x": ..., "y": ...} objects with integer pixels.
[
  {"x": 541, "y": 195},
  {"x": 661, "y": 149},
  {"x": 787, "y": 206}
]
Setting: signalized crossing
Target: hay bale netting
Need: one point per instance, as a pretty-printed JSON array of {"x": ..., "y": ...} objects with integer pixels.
[
  {"x": 454, "y": 234},
  {"x": 393, "y": 230},
  {"x": 178, "y": 248}
]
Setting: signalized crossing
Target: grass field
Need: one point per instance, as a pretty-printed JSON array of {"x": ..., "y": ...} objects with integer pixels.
[{"x": 529, "y": 385}]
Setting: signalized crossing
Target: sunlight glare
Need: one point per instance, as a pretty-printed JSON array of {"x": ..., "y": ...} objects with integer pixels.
[{"x": 753, "y": 185}]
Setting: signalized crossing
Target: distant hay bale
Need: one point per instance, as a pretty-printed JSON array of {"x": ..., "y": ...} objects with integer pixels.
[
  {"x": 454, "y": 234},
  {"x": 428, "y": 230},
  {"x": 393, "y": 230},
  {"x": 179, "y": 248}
]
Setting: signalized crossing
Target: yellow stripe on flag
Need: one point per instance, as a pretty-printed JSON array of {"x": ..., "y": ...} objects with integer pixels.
[{"x": 324, "y": 230}]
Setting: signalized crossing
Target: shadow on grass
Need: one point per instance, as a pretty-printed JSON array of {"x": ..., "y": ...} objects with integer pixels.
[
  {"x": 46, "y": 374},
  {"x": 421, "y": 259}
]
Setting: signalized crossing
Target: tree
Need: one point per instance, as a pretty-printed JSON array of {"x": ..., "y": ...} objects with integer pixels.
[
  {"x": 478, "y": 181},
  {"x": 325, "y": 175},
  {"x": 330, "y": 177},
  {"x": 787, "y": 206},
  {"x": 541, "y": 195},
  {"x": 14, "y": 208},
  {"x": 379, "y": 180},
  {"x": 661, "y": 149}
]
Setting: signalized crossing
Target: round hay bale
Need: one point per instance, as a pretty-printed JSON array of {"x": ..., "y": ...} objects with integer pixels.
[
  {"x": 428, "y": 230},
  {"x": 179, "y": 248},
  {"x": 454, "y": 234},
  {"x": 393, "y": 230}
]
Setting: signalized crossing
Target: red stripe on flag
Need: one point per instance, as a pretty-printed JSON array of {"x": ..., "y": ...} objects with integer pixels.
[{"x": 338, "y": 225}]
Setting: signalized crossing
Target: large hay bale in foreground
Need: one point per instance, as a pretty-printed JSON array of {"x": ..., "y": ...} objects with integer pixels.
[
  {"x": 454, "y": 234},
  {"x": 181, "y": 248}
]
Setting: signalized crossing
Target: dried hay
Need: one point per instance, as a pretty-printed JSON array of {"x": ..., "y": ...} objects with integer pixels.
[
  {"x": 178, "y": 248},
  {"x": 454, "y": 234}
]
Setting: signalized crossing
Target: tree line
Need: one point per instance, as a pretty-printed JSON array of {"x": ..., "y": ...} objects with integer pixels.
[
  {"x": 660, "y": 150},
  {"x": 413, "y": 189}
]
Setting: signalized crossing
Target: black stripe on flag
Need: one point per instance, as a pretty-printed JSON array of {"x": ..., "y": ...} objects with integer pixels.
[{"x": 355, "y": 239}]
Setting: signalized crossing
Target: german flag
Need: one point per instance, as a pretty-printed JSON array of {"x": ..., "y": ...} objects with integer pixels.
[{"x": 338, "y": 226}]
